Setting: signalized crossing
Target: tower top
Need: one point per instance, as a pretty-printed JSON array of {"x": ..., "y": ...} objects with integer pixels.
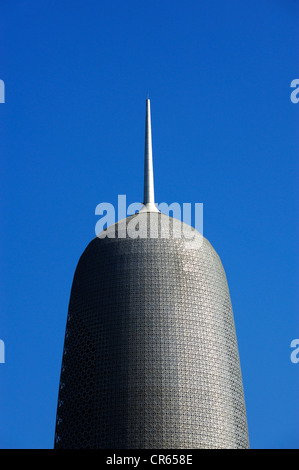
[{"x": 149, "y": 194}]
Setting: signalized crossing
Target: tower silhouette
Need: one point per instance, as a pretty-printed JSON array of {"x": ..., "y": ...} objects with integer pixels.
[{"x": 150, "y": 355}]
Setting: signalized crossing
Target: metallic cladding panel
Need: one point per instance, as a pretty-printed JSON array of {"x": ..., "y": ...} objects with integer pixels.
[{"x": 150, "y": 357}]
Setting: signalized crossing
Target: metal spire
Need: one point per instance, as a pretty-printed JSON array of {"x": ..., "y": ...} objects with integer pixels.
[{"x": 149, "y": 196}]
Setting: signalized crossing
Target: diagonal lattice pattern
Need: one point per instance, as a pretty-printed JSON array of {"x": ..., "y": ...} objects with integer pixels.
[{"x": 150, "y": 356}]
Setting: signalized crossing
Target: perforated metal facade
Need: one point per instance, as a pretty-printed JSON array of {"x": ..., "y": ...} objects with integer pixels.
[{"x": 150, "y": 356}]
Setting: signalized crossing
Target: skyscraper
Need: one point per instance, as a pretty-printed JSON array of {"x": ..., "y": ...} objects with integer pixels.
[{"x": 150, "y": 357}]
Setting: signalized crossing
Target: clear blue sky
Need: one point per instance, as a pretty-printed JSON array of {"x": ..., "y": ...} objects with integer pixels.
[{"x": 225, "y": 133}]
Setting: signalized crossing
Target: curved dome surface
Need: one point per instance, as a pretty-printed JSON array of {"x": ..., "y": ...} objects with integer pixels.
[{"x": 150, "y": 356}]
